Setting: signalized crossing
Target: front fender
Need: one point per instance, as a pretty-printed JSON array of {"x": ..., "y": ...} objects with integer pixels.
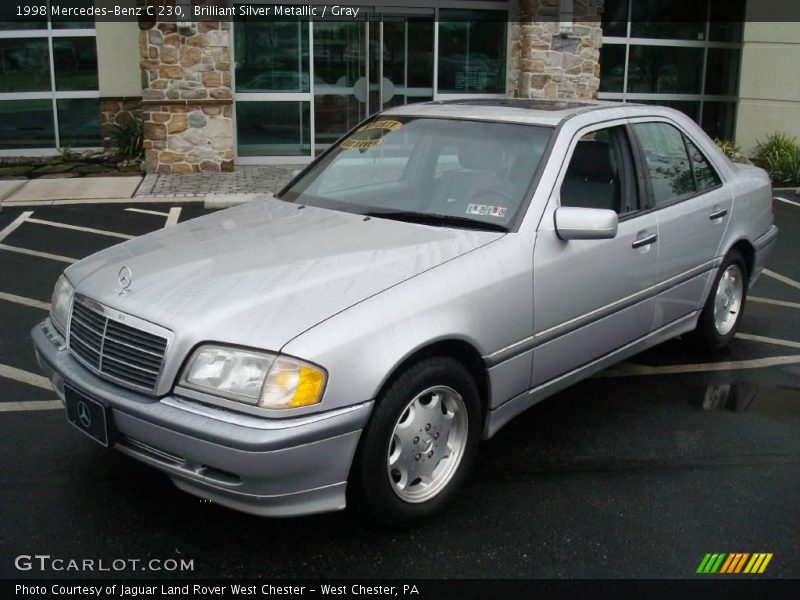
[{"x": 483, "y": 298}]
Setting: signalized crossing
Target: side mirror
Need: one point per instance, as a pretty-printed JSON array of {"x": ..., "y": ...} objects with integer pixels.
[{"x": 576, "y": 223}]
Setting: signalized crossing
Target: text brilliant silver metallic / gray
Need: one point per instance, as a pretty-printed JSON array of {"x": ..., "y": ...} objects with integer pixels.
[{"x": 539, "y": 291}]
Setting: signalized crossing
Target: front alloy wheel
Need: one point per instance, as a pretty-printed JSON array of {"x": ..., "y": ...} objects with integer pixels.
[
  {"x": 419, "y": 443},
  {"x": 427, "y": 444}
]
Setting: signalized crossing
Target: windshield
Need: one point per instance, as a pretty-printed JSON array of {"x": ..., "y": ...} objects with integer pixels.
[{"x": 436, "y": 171}]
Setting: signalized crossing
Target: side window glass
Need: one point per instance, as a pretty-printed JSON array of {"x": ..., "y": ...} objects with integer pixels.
[
  {"x": 595, "y": 177},
  {"x": 704, "y": 174},
  {"x": 670, "y": 170}
]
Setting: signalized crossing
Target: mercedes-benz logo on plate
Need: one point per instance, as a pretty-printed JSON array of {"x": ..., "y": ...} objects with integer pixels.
[
  {"x": 125, "y": 278},
  {"x": 84, "y": 414}
]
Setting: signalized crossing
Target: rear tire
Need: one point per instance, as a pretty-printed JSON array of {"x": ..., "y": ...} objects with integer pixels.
[
  {"x": 419, "y": 444},
  {"x": 724, "y": 306}
]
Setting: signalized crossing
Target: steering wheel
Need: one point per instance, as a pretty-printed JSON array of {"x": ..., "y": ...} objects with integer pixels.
[{"x": 500, "y": 193}]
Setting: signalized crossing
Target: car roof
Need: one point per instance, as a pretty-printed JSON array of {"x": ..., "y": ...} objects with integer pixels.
[{"x": 512, "y": 110}]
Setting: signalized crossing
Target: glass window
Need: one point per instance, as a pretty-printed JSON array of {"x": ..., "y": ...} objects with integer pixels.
[
  {"x": 72, "y": 23},
  {"x": 612, "y": 68},
  {"x": 273, "y": 128},
  {"x": 472, "y": 52},
  {"x": 462, "y": 170},
  {"x": 665, "y": 70},
  {"x": 722, "y": 72},
  {"x": 22, "y": 23},
  {"x": 674, "y": 19},
  {"x": 704, "y": 174},
  {"x": 24, "y": 65},
  {"x": 727, "y": 20},
  {"x": 75, "y": 61},
  {"x": 615, "y": 18},
  {"x": 595, "y": 177},
  {"x": 719, "y": 119},
  {"x": 670, "y": 171},
  {"x": 79, "y": 122},
  {"x": 26, "y": 124},
  {"x": 271, "y": 56}
]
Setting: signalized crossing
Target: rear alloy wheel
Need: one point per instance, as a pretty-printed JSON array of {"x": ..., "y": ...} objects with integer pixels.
[
  {"x": 725, "y": 304},
  {"x": 419, "y": 444}
]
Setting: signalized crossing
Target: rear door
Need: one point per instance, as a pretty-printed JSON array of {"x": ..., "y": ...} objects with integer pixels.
[
  {"x": 692, "y": 207},
  {"x": 590, "y": 296}
]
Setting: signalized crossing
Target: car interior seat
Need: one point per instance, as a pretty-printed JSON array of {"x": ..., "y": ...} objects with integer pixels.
[{"x": 592, "y": 179}]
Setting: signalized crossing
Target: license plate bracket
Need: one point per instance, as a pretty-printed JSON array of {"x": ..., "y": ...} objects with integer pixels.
[{"x": 90, "y": 416}]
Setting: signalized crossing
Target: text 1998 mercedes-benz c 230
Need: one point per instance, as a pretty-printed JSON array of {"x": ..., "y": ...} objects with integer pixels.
[{"x": 440, "y": 269}]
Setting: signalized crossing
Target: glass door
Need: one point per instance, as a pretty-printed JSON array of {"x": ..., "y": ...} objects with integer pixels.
[
  {"x": 362, "y": 67},
  {"x": 406, "y": 63}
]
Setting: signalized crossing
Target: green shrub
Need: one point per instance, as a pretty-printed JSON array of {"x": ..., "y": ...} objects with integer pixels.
[
  {"x": 780, "y": 156},
  {"x": 128, "y": 139},
  {"x": 729, "y": 147}
]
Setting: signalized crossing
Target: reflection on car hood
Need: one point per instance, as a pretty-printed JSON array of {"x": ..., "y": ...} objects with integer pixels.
[{"x": 262, "y": 273}]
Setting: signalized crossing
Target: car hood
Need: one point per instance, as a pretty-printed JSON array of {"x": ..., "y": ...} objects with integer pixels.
[{"x": 262, "y": 273}]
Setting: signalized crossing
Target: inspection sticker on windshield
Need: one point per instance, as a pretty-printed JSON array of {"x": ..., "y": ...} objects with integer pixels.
[
  {"x": 486, "y": 210},
  {"x": 370, "y": 135}
]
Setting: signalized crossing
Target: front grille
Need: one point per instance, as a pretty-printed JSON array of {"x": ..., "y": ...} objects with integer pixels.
[{"x": 124, "y": 353}]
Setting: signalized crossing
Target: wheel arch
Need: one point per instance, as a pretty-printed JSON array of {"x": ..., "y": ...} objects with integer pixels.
[
  {"x": 748, "y": 252},
  {"x": 457, "y": 349}
]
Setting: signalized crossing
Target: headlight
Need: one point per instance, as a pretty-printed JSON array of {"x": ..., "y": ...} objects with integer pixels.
[
  {"x": 258, "y": 378},
  {"x": 62, "y": 298}
]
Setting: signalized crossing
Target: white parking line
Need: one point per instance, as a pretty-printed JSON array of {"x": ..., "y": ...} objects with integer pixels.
[
  {"x": 767, "y": 340},
  {"x": 792, "y": 202},
  {"x": 123, "y": 236},
  {"x": 25, "y": 301},
  {"x": 14, "y": 224},
  {"x": 58, "y": 257},
  {"x": 31, "y": 405},
  {"x": 782, "y": 278},
  {"x": 158, "y": 213},
  {"x": 760, "y": 300},
  {"x": 172, "y": 218},
  {"x": 24, "y": 377},
  {"x": 629, "y": 369}
]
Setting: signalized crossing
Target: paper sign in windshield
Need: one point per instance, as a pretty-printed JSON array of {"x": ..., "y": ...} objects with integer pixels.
[
  {"x": 370, "y": 135},
  {"x": 486, "y": 210}
]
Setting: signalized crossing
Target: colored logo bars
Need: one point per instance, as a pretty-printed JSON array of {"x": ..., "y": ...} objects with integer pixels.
[{"x": 741, "y": 562}]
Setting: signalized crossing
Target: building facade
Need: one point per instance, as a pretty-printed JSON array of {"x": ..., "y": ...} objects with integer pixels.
[{"x": 213, "y": 94}]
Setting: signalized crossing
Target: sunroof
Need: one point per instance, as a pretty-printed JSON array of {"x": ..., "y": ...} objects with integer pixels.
[{"x": 528, "y": 103}]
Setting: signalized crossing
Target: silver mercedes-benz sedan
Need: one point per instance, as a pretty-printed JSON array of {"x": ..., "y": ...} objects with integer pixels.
[{"x": 437, "y": 271}]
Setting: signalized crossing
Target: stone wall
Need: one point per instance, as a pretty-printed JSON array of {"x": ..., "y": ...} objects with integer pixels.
[
  {"x": 117, "y": 111},
  {"x": 551, "y": 64},
  {"x": 187, "y": 100}
]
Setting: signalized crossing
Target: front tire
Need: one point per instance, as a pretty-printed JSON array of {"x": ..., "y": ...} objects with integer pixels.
[
  {"x": 419, "y": 444},
  {"x": 724, "y": 306}
]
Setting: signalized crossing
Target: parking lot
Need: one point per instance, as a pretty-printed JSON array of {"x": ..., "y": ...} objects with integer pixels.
[{"x": 638, "y": 472}]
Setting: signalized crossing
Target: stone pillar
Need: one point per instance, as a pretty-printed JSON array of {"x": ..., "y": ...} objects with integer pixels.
[
  {"x": 117, "y": 111},
  {"x": 187, "y": 101},
  {"x": 548, "y": 63}
]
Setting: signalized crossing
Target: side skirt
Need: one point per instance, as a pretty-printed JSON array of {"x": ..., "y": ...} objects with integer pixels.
[{"x": 497, "y": 418}]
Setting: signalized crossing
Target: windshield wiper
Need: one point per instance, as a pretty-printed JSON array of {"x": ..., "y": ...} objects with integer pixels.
[{"x": 436, "y": 219}]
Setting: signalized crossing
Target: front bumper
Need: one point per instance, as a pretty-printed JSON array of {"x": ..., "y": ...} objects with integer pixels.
[{"x": 262, "y": 466}]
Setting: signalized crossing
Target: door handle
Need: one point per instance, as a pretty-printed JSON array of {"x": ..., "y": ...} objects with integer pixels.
[
  {"x": 644, "y": 241},
  {"x": 718, "y": 214}
]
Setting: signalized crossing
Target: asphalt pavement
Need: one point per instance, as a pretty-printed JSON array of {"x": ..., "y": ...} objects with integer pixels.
[{"x": 638, "y": 472}]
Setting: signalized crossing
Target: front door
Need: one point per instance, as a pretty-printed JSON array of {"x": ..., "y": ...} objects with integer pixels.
[
  {"x": 362, "y": 67},
  {"x": 590, "y": 296}
]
